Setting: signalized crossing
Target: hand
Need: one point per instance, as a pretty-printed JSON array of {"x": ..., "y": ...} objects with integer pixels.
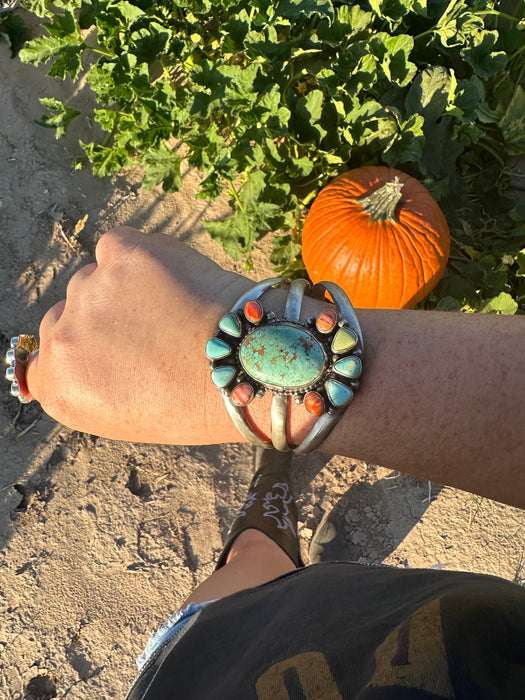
[{"x": 123, "y": 355}]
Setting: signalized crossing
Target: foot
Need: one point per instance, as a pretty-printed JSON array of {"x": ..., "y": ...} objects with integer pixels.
[
  {"x": 269, "y": 506},
  {"x": 330, "y": 542}
]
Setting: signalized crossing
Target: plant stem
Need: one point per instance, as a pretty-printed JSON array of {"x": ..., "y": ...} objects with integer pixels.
[
  {"x": 428, "y": 31},
  {"x": 381, "y": 204},
  {"x": 499, "y": 14},
  {"x": 104, "y": 52},
  {"x": 235, "y": 195},
  {"x": 113, "y": 130}
]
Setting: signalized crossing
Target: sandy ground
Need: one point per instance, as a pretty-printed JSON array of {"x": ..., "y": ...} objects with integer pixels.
[{"x": 100, "y": 541}]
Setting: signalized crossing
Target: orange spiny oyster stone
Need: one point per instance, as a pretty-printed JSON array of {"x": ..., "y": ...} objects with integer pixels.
[
  {"x": 314, "y": 404},
  {"x": 242, "y": 394},
  {"x": 253, "y": 311},
  {"x": 326, "y": 321}
]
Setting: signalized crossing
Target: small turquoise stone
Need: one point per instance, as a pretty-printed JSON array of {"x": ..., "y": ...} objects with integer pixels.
[
  {"x": 349, "y": 367},
  {"x": 222, "y": 376},
  {"x": 283, "y": 356},
  {"x": 338, "y": 393},
  {"x": 217, "y": 349},
  {"x": 231, "y": 325}
]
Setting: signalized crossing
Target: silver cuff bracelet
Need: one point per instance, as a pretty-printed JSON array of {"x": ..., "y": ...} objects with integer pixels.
[{"x": 318, "y": 362}]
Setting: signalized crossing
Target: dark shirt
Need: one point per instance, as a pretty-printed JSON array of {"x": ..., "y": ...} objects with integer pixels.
[{"x": 339, "y": 630}]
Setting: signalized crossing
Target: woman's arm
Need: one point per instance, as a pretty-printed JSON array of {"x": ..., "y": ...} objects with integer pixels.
[{"x": 123, "y": 357}]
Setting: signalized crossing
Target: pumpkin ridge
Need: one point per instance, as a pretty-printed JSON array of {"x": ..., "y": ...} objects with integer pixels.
[
  {"x": 413, "y": 244},
  {"x": 429, "y": 239},
  {"x": 401, "y": 258},
  {"x": 325, "y": 234}
]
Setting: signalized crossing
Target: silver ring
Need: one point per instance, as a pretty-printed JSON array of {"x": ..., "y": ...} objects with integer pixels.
[{"x": 22, "y": 347}]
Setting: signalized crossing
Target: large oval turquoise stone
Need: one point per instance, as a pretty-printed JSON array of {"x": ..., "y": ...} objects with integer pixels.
[{"x": 283, "y": 356}]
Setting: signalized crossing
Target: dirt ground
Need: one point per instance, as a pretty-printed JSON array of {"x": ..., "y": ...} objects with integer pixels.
[{"x": 100, "y": 541}]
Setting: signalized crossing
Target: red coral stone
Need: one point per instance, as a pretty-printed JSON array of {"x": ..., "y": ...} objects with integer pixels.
[
  {"x": 253, "y": 311},
  {"x": 326, "y": 321},
  {"x": 314, "y": 404},
  {"x": 242, "y": 394}
]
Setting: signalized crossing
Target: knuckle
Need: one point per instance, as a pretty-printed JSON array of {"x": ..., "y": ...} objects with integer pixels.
[{"x": 116, "y": 242}]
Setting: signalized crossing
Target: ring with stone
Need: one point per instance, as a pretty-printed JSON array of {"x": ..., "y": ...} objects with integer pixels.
[
  {"x": 316, "y": 362},
  {"x": 17, "y": 357}
]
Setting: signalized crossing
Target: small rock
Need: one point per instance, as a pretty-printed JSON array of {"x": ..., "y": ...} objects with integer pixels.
[
  {"x": 352, "y": 515},
  {"x": 358, "y": 537}
]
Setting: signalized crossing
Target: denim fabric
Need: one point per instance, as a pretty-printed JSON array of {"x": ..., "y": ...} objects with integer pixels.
[{"x": 169, "y": 629}]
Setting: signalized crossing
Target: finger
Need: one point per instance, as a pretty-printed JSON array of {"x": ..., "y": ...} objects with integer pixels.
[
  {"x": 33, "y": 380},
  {"x": 79, "y": 277},
  {"x": 51, "y": 318},
  {"x": 31, "y": 375},
  {"x": 116, "y": 240}
]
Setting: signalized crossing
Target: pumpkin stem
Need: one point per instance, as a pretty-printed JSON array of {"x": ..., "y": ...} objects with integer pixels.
[{"x": 382, "y": 203}]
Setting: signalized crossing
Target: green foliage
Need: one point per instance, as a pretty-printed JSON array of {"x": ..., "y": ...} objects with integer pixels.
[
  {"x": 273, "y": 98},
  {"x": 14, "y": 31}
]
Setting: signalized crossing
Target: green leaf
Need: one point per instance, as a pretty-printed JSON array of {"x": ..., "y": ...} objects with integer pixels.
[
  {"x": 520, "y": 259},
  {"x": 64, "y": 44},
  {"x": 211, "y": 187},
  {"x": 441, "y": 150},
  {"x": 391, "y": 9},
  {"x": 517, "y": 213},
  {"x": 235, "y": 31},
  {"x": 457, "y": 287},
  {"x": 349, "y": 22},
  {"x": 69, "y": 61},
  {"x": 38, "y": 7},
  {"x": 129, "y": 12},
  {"x": 252, "y": 188},
  {"x": 262, "y": 214},
  {"x": 501, "y": 304},
  {"x": 236, "y": 235},
  {"x": 307, "y": 114},
  {"x": 297, "y": 9},
  {"x": 448, "y": 304},
  {"x": 285, "y": 250},
  {"x": 148, "y": 43},
  {"x": 14, "y": 31},
  {"x": 300, "y": 167},
  {"x": 60, "y": 117},
  {"x": 396, "y": 64},
  {"x": 407, "y": 144},
  {"x": 484, "y": 61},
  {"x": 314, "y": 105},
  {"x": 512, "y": 123},
  {"x": 161, "y": 167},
  {"x": 430, "y": 93},
  {"x": 469, "y": 101},
  {"x": 89, "y": 11},
  {"x": 106, "y": 160},
  {"x": 41, "y": 49}
]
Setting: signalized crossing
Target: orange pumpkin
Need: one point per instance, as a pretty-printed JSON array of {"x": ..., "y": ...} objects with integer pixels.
[{"x": 379, "y": 234}]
